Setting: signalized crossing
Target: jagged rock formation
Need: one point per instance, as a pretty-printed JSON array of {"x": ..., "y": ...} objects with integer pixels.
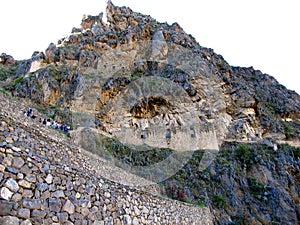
[
  {"x": 128, "y": 82},
  {"x": 6, "y": 60},
  {"x": 245, "y": 184},
  {"x": 93, "y": 69}
]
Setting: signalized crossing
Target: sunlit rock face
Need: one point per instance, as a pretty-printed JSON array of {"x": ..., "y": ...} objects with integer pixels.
[
  {"x": 145, "y": 96},
  {"x": 6, "y": 60},
  {"x": 150, "y": 82}
]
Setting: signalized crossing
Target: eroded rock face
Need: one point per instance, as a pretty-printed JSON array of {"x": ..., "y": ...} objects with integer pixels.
[
  {"x": 6, "y": 60},
  {"x": 103, "y": 64},
  {"x": 138, "y": 83}
]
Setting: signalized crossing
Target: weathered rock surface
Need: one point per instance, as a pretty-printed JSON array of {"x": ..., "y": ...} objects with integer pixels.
[
  {"x": 133, "y": 70},
  {"x": 136, "y": 82},
  {"x": 6, "y": 60}
]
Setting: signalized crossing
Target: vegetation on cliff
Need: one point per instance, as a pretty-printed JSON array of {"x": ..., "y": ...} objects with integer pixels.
[{"x": 135, "y": 91}]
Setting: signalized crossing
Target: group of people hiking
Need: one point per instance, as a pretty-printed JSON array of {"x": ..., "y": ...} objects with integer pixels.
[{"x": 47, "y": 122}]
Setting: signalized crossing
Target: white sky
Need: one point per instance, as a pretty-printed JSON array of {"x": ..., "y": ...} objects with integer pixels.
[{"x": 264, "y": 34}]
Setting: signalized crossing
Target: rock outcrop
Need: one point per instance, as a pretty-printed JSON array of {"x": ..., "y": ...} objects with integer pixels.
[
  {"x": 154, "y": 110},
  {"x": 6, "y": 60},
  {"x": 92, "y": 70}
]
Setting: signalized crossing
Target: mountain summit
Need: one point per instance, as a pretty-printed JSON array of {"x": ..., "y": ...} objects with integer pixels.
[
  {"x": 101, "y": 60},
  {"x": 146, "y": 96}
]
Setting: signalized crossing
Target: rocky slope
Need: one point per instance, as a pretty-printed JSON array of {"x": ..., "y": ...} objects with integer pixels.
[
  {"x": 145, "y": 96},
  {"x": 112, "y": 70},
  {"x": 46, "y": 180}
]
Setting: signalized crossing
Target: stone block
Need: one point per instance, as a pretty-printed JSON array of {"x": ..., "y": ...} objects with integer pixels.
[
  {"x": 5, "y": 193},
  {"x": 69, "y": 207},
  {"x": 9, "y": 220},
  {"x": 55, "y": 204},
  {"x": 12, "y": 185},
  {"x": 23, "y": 213},
  {"x": 32, "y": 203},
  {"x": 5, "y": 207}
]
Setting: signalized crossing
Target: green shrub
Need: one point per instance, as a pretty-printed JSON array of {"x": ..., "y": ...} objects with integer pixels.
[
  {"x": 256, "y": 187},
  {"x": 296, "y": 152},
  {"x": 132, "y": 156},
  {"x": 51, "y": 116},
  {"x": 12, "y": 85},
  {"x": 293, "y": 151},
  {"x": 240, "y": 220},
  {"x": 290, "y": 129},
  {"x": 243, "y": 154},
  {"x": 8, "y": 71},
  {"x": 5, "y": 92},
  {"x": 67, "y": 134},
  {"x": 18, "y": 81},
  {"x": 199, "y": 203},
  {"x": 287, "y": 131},
  {"x": 219, "y": 201}
]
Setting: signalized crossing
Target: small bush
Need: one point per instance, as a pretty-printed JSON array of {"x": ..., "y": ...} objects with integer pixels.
[
  {"x": 132, "y": 156},
  {"x": 200, "y": 204},
  {"x": 256, "y": 187},
  {"x": 243, "y": 154},
  {"x": 219, "y": 201},
  {"x": 67, "y": 134},
  {"x": 18, "y": 81},
  {"x": 293, "y": 151},
  {"x": 296, "y": 152},
  {"x": 5, "y": 92},
  {"x": 51, "y": 116},
  {"x": 8, "y": 71}
]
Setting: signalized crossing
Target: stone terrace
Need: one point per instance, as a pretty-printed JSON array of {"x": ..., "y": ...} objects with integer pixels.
[{"x": 45, "y": 180}]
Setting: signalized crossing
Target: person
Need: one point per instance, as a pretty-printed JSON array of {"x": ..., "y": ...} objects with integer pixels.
[
  {"x": 143, "y": 134},
  {"x": 66, "y": 129},
  {"x": 58, "y": 125},
  {"x": 29, "y": 112},
  {"x": 168, "y": 136},
  {"x": 48, "y": 123},
  {"x": 54, "y": 125},
  {"x": 193, "y": 133}
]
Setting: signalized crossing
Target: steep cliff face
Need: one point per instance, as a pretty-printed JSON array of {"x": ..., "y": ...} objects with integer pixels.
[
  {"x": 245, "y": 184},
  {"x": 136, "y": 91},
  {"x": 132, "y": 71}
]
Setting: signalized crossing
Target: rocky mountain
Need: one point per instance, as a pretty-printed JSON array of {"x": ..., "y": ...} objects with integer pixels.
[
  {"x": 101, "y": 61},
  {"x": 171, "y": 114}
]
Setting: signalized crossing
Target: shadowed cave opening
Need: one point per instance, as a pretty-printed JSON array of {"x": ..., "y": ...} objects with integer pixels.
[{"x": 149, "y": 107}]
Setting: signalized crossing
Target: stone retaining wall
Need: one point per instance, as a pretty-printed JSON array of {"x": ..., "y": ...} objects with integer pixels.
[{"x": 43, "y": 181}]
